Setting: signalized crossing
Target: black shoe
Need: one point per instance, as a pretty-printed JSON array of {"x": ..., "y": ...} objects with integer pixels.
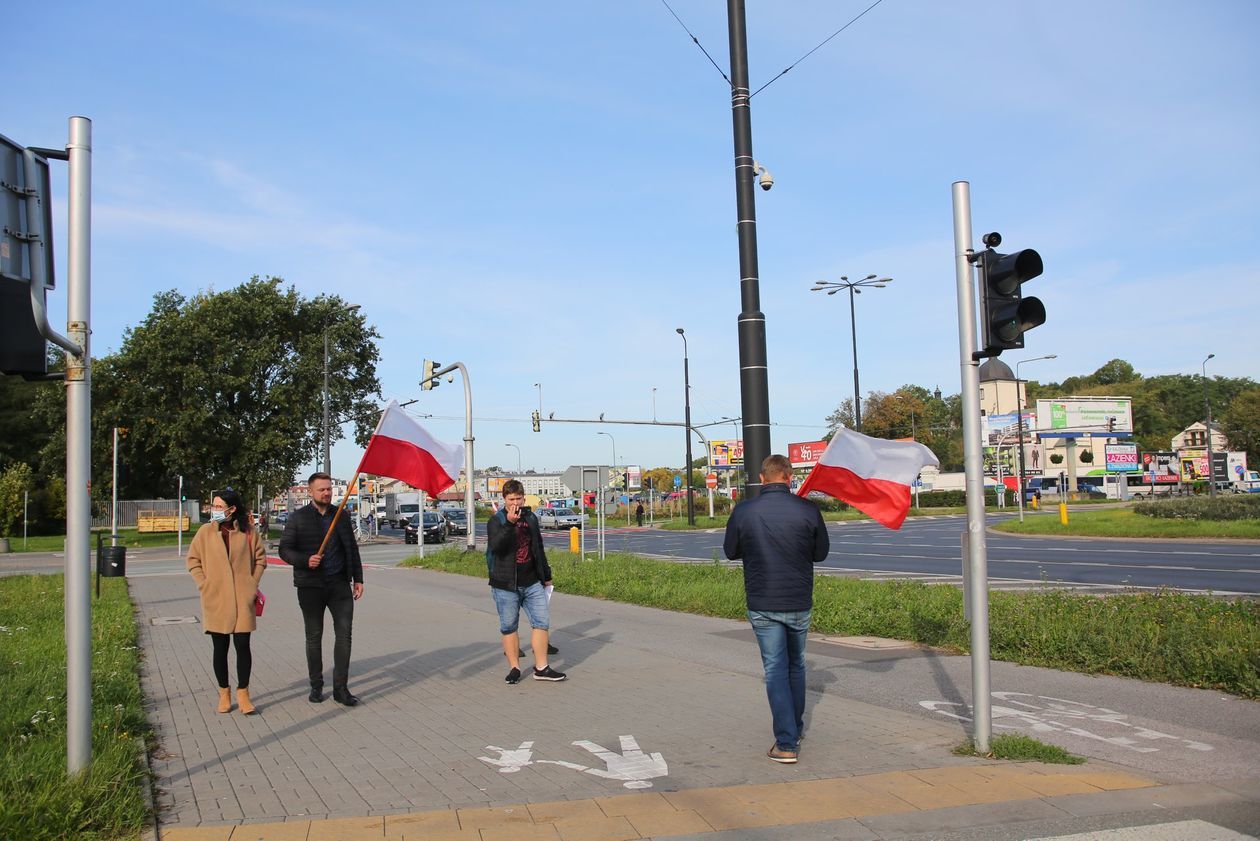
[
  {"x": 548, "y": 673},
  {"x": 316, "y": 696},
  {"x": 513, "y": 677},
  {"x": 343, "y": 697},
  {"x": 551, "y": 649}
]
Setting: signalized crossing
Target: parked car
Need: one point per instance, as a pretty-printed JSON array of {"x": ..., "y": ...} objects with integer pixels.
[
  {"x": 282, "y": 518},
  {"x": 435, "y": 528},
  {"x": 559, "y": 518},
  {"x": 457, "y": 520}
]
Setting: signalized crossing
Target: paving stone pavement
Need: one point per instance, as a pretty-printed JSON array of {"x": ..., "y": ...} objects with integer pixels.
[{"x": 657, "y": 704}]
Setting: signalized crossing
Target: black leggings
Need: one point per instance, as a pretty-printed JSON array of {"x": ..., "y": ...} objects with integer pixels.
[{"x": 244, "y": 660}]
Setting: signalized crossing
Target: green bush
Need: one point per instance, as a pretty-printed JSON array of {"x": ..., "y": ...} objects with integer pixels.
[
  {"x": 955, "y": 499},
  {"x": 1223, "y": 507}
]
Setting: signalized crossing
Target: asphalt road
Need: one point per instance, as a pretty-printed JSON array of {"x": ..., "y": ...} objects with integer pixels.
[{"x": 927, "y": 548}]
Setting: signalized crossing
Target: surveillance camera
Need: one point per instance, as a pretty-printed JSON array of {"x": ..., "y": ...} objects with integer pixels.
[
  {"x": 766, "y": 181},
  {"x": 450, "y": 378},
  {"x": 992, "y": 240}
]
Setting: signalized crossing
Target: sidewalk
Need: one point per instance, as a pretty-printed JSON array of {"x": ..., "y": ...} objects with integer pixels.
[{"x": 660, "y": 731}]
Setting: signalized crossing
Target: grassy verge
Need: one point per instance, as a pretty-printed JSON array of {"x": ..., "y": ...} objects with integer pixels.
[
  {"x": 1021, "y": 749},
  {"x": 37, "y": 799},
  {"x": 126, "y": 537},
  {"x": 1160, "y": 636},
  {"x": 1123, "y": 522}
]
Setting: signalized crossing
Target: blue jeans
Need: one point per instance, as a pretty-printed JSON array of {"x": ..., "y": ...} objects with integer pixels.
[
  {"x": 781, "y": 637},
  {"x": 509, "y": 603}
]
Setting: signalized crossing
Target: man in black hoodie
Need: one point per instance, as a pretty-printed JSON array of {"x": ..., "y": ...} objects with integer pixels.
[{"x": 780, "y": 537}]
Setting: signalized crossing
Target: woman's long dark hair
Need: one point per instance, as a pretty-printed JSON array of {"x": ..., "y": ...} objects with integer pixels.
[{"x": 240, "y": 516}]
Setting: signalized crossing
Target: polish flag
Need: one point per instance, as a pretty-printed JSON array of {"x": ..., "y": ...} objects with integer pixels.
[
  {"x": 401, "y": 449},
  {"x": 871, "y": 474}
]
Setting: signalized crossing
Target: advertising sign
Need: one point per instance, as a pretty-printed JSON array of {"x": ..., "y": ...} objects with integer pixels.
[
  {"x": 1122, "y": 458},
  {"x": 1237, "y": 469},
  {"x": 1194, "y": 465},
  {"x": 1083, "y": 417},
  {"x": 726, "y": 454},
  {"x": 1165, "y": 466},
  {"x": 1004, "y": 428},
  {"x": 807, "y": 453}
]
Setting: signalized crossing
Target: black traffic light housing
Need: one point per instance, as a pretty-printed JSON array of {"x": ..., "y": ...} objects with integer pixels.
[
  {"x": 428, "y": 381},
  {"x": 1005, "y": 314}
]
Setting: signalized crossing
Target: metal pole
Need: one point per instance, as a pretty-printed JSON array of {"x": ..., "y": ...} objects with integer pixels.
[
  {"x": 179, "y": 519},
  {"x": 753, "y": 373},
  {"x": 113, "y": 511},
  {"x": 1207, "y": 410},
  {"x": 78, "y": 603},
  {"x": 973, "y": 460},
  {"x": 420, "y": 526},
  {"x": 1019, "y": 426},
  {"x": 471, "y": 539},
  {"x": 691, "y": 503},
  {"x": 857, "y": 393},
  {"x": 519, "y": 469},
  {"x": 26, "y": 498}
]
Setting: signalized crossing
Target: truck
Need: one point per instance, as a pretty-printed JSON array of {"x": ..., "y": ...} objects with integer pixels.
[
  {"x": 1249, "y": 483},
  {"x": 401, "y": 507}
]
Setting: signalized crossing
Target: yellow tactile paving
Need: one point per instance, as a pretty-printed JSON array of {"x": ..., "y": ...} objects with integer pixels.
[{"x": 629, "y": 817}]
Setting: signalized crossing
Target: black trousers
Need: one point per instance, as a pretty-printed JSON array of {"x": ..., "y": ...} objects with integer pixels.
[
  {"x": 338, "y": 599},
  {"x": 244, "y": 660}
]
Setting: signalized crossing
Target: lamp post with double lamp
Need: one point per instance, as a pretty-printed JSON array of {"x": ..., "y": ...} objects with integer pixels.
[
  {"x": 1019, "y": 425},
  {"x": 691, "y": 503},
  {"x": 855, "y": 288},
  {"x": 327, "y": 438},
  {"x": 1207, "y": 412},
  {"x": 519, "y": 469}
]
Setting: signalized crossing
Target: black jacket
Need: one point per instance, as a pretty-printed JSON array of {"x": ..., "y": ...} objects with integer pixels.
[
  {"x": 780, "y": 537},
  {"x": 302, "y": 536},
  {"x": 501, "y": 550}
]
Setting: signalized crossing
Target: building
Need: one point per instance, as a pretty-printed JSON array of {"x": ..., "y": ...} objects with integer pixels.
[{"x": 1194, "y": 437}]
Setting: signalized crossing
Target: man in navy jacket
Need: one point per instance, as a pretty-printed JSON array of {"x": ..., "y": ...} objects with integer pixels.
[{"x": 780, "y": 537}]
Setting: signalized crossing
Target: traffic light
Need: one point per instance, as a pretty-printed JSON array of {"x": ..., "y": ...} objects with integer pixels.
[
  {"x": 537, "y": 419},
  {"x": 428, "y": 381},
  {"x": 1005, "y": 314}
]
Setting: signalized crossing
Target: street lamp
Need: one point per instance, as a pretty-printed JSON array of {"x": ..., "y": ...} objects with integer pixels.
[
  {"x": 1019, "y": 425},
  {"x": 854, "y": 287},
  {"x": 691, "y": 503},
  {"x": 327, "y": 441},
  {"x": 519, "y": 469},
  {"x": 1207, "y": 411},
  {"x": 539, "y": 387},
  {"x": 614, "y": 445},
  {"x": 653, "y": 404}
]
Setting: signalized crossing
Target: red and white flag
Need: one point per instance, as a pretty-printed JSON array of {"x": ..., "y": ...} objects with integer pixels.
[
  {"x": 871, "y": 474},
  {"x": 402, "y": 449}
]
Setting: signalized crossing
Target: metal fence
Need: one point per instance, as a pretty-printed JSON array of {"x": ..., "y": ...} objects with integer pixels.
[{"x": 129, "y": 508}]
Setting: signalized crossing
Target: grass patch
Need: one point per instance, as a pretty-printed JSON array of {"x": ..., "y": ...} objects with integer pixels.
[
  {"x": 1021, "y": 749},
  {"x": 1124, "y": 522},
  {"x": 719, "y": 521},
  {"x": 37, "y": 799},
  {"x": 130, "y": 538},
  {"x": 1163, "y": 636}
]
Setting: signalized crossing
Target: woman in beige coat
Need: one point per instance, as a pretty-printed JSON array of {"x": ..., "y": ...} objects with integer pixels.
[{"x": 226, "y": 559}]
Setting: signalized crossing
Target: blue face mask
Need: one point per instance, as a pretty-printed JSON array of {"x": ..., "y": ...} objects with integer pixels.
[{"x": 218, "y": 516}]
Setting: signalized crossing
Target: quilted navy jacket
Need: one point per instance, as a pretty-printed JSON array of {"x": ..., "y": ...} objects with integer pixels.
[{"x": 780, "y": 537}]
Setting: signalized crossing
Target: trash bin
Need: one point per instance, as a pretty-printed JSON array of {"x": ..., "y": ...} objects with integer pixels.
[{"x": 111, "y": 561}]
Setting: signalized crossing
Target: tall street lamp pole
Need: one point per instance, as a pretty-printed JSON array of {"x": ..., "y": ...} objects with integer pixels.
[
  {"x": 614, "y": 446},
  {"x": 327, "y": 432},
  {"x": 1207, "y": 411},
  {"x": 539, "y": 387},
  {"x": 855, "y": 288},
  {"x": 1019, "y": 426},
  {"x": 691, "y": 503},
  {"x": 519, "y": 469}
]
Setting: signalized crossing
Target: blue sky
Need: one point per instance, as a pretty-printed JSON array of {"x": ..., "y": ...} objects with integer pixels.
[{"x": 545, "y": 191}]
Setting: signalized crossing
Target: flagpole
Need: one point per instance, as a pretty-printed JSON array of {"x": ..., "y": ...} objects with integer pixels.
[{"x": 346, "y": 495}]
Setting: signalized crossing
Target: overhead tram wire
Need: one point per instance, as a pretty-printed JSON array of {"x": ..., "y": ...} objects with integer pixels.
[
  {"x": 782, "y": 73},
  {"x": 814, "y": 50}
]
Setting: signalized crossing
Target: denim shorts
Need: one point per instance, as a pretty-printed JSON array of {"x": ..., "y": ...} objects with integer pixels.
[{"x": 509, "y": 602}]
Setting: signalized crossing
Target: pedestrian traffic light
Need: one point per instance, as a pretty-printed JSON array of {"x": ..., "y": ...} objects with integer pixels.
[
  {"x": 1005, "y": 315},
  {"x": 537, "y": 419},
  {"x": 428, "y": 381}
]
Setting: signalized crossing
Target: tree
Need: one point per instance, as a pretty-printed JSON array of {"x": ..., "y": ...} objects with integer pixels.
[
  {"x": 225, "y": 388},
  {"x": 1115, "y": 371},
  {"x": 13, "y": 481},
  {"x": 1241, "y": 424},
  {"x": 842, "y": 416}
]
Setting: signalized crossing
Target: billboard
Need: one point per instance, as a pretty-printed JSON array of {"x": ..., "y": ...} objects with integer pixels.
[
  {"x": 1004, "y": 428},
  {"x": 1164, "y": 466},
  {"x": 807, "y": 453},
  {"x": 1237, "y": 466},
  {"x": 726, "y": 455},
  {"x": 1122, "y": 458},
  {"x": 1194, "y": 465},
  {"x": 1085, "y": 417}
]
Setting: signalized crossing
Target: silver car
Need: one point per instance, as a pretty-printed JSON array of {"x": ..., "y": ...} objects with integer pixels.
[{"x": 559, "y": 518}]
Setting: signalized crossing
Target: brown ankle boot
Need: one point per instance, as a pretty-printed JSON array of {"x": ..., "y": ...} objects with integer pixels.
[
  {"x": 242, "y": 700},
  {"x": 225, "y": 699}
]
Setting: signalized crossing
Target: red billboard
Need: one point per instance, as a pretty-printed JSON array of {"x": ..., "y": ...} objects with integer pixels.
[{"x": 806, "y": 454}]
